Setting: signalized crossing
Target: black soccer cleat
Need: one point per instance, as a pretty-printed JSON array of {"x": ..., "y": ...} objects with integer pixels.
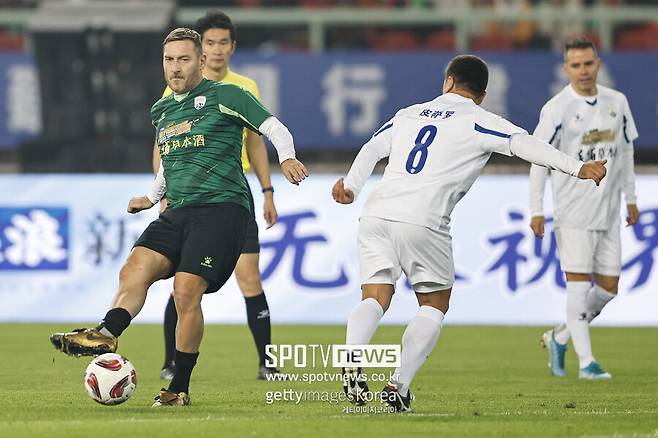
[
  {"x": 394, "y": 399},
  {"x": 355, "y": 386}
]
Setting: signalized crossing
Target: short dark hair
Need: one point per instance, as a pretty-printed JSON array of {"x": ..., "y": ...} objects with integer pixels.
[
  {"x": 215, "y": 20},
  {"x": 579, "y": 43},
  {"x": 183, "y": 33},
  {"x": 470, "y": 73}
]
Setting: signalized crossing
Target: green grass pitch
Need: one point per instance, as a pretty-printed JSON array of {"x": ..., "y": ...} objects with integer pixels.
[{"x": 479, "y": 381}]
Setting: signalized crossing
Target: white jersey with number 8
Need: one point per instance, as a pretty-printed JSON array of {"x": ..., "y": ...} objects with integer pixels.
[{"x": 436, "y": 151}]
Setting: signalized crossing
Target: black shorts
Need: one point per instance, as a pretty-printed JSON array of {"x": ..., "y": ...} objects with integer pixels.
[
  {"x": 251, "y": 245},
  {"x": 205, "y": 240}
]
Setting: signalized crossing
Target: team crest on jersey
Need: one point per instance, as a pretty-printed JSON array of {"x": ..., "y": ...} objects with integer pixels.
[
  {"x": 199, "y": 102},
  {"x": 613, "y": 113}
]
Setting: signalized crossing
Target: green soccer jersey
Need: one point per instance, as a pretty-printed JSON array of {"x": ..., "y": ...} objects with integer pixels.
[{"x": 199, "y": 135}]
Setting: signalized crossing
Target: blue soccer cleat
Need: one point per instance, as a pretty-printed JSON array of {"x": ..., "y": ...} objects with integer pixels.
[
  {"x": 556, "y": 352},
  {"x": 593, "y": 371}
]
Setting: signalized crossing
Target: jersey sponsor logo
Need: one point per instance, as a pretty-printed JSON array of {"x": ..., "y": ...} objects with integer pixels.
[
  {"x": 595, "y": 136},
  {"x": 173, "y": 130},
  {"x": 199, "y": 102},
  {"x": 34, "y": 238},
  {"x": 196, "y": 140},
  {"x": 597, "y": 152}
]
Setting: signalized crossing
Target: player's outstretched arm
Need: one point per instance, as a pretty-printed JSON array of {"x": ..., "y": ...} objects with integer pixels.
[
  {"x": 538, "y": 152},
  {"x": 377, "y": 148},
  {"x": 294, "y": 170},
  {"x": 594, "y": 170},
  {"x": 280, "y": 136}
]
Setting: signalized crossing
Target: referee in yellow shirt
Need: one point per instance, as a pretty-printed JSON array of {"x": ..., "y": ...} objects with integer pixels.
[{"x": 218, "y": 40}]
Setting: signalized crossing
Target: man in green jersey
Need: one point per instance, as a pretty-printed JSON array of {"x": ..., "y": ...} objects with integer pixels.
[
  {"x": 218, "y": 38},
  {"x": 200, "y": 236}
]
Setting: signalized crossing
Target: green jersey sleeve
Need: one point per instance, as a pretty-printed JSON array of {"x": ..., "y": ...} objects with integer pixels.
[{"x": 242, "y": 106}]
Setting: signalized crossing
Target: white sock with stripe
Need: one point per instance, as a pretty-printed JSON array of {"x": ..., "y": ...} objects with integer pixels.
[{"x": 596, "y": 300}]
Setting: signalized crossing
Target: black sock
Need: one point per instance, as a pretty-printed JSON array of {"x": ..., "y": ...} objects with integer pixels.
[
  {"x": 258, "y": 317},
  {"x": 116, "y": 321},
  {"x": 170, "y": 320},
  {"x": 184, "y": 365}
]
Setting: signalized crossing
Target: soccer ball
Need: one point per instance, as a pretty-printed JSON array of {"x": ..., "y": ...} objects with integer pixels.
[{"x": 110, "y": 379}]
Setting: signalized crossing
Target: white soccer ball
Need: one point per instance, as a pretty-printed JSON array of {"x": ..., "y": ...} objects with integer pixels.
[{"x": 110, "y": 379}]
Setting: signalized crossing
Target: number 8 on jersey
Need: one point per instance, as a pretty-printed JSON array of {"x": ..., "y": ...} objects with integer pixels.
[{"x": 421, "y": 146}]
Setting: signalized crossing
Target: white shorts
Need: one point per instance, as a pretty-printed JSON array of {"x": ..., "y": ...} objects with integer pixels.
[
  {"x": 590, "y": 251},
  {"x": 388, "y": 248}
]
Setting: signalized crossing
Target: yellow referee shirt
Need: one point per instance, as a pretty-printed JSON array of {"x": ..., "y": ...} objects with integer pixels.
[{"x": 249, "y": 85}]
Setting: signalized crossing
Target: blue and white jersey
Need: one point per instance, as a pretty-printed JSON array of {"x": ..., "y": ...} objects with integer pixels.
[
  {"x": 588, "y": 128},
  {"x": 436, "y": 151}
]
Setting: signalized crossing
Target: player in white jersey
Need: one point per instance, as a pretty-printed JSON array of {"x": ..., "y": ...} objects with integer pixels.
[
  {"x": 587, "y": 121},
  {"x": 436, "y": 151}
]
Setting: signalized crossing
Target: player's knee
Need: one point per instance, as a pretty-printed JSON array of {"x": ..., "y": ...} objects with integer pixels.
[
  {"x": 131, "y": 273},
  {"x": 610, "y": 286},
  {"x": 186, "y": 299},
  {"x": 383, "y": 298},
  {"x": 187, "y": 294},
  {"x": 438, "y": 300},
  {"x": 607, "y": 282}
]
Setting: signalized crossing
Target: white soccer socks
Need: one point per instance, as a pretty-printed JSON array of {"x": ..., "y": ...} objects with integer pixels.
[
  {"x": 362, "y": 322},
  {"x": 418, "y": 341},
  {"x": 597, "y": 298},
  {"x": 577, "y": 321},
  {"x": 595, "y": 301}
]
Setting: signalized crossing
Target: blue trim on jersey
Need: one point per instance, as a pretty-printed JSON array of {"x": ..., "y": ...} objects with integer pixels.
[
  {"x": 625, "y": 135},
  {"x": 479, "y": 128},
  {"x": 382, "y": 129},
  {"x": 557, "y": 129},
  {"x": 592, "y": 103}
]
